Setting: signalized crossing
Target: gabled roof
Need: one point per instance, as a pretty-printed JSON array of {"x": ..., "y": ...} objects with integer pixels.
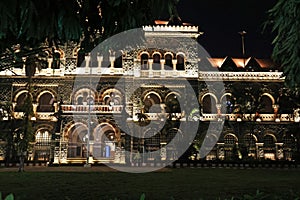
[{"x": 237, "y": 64}]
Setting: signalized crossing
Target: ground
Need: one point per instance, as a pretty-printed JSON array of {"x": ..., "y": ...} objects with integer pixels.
[{"x": 101, "y": 182}]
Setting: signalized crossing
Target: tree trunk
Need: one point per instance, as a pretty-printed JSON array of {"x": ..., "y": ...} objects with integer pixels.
[{"x": 21, "y": 166}]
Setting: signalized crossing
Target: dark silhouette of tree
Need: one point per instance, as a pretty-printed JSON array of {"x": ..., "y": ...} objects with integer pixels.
[
  {"x": 28, "y": 27},
  {"x": 284, "y": 19}
]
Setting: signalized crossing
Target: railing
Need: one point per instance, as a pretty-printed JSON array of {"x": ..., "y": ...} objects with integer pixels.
[
  {"x": 93, "y": 108},
  {"x": 236, "y": 76},
  {"x": 249, "y": 117}
]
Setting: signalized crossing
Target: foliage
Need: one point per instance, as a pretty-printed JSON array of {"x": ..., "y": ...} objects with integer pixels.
[
  {"x": 29, "y": 27},
  {"x": 8, "y": 197},
  {"x": 284, "y": 19}
]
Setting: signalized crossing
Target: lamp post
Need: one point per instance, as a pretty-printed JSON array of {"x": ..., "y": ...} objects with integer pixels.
[
  {"x": 243, "y": 33},
  {"x": 89, "y": 101}
]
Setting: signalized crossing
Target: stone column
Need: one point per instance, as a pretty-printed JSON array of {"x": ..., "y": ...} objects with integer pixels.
[
  {"x": 99, "y": 60},
  {"x": 162, "y": 64},
  {"x": 174, "y": 62},
  {"x": 150, "y": 62},
  {"x": 112, "y": 64},
  {"x": 87, "y": 63}
]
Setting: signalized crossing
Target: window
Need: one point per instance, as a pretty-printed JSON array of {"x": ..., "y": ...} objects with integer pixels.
[
  {"x": 265, "y": 105},
  {"x": 168, "y": 62},
  {"x": 180, "y": 62},
  {"x": 209, "y": 105},
  {"x": 144, "y": 61},
  {"x": 269, "y": 141},
  {"x": 229, "y": 139},
  {"x": 156, "y": 61},
  {"x": 45, "y": 103},
  {"x": 249, "y": 140},
  {"x": 42, "y": 145},
  {"x": 20, "y": 102},
  {"x": 152, "y": 103},
  {"x": 77, "y": 142},
  {"x": 56, "y": 60},
  {"x": 227, "y": 104},
  {"x": 118, "y": 60},
  {"x": 172, "y": 104}
]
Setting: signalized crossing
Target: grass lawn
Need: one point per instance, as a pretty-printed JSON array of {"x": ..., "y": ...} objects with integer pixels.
[{"x": 168, "y": 184}]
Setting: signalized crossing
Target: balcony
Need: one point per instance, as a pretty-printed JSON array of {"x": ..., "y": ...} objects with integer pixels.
[{"x": 93, "y": 109}]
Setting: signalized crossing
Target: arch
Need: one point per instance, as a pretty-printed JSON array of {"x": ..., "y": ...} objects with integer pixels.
[
  {"x": 270, "y": 96},
  {"x": 168, "y": 56},
  {"x": 45, "y": 101},
  {"x": 227, "y": 101},
  {"x": 209, "y": 102},
  {"x": 20, "y": 100},
  {"x": 105, "y": 135},
  {"x": 171, "y": 134},
  {"x": 118, "y": 63},
  {"x": 251, "y": 135},
  {"x": 75, "y": 51},
  {"x": 268, "y": 137},
  {"x": 42, "y": 144},
  {"x": 111, "y": 96},
  {"x": 152, "y": 102},
  {"x": 180, "y": 57},
  {"x": 144, "y": 58},
  {"x": 76, "y": 136},
  {"x": 103, "y": 127},
  {"x": 230, "y": 139},
  {"x": 266, "y": 102},
  {"x": 57, "y": 56},
  {"x": 269, "y": 146},
  {"x": 156, "y": 56},
  {"x": 172, "y": 93},
  {"x": 82, "y": 95},
  {"x": 152, "y": 144},
  {"x": 172, "y": 101}
]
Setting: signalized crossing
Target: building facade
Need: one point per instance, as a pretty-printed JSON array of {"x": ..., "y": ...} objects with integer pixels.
[{"x": 79, "y": 103}]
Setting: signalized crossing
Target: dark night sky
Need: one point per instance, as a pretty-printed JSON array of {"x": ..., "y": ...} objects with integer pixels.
[{"x": 221, "y": 20}]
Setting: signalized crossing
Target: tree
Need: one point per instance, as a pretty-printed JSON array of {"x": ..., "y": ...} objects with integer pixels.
[
  {"x": 28, "y": 27},
  {"x": 284, "y": 19}
]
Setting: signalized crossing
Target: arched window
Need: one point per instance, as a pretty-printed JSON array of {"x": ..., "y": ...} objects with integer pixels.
[
  {"x": 152, "y": 143},
  {"x": 112, "y": 97},
  {"x": 269, "y": 141},
  {"x": 209, "y": 105},
  {"x": 152, "y": 103},
  {"x": 269, "y": 147},
  {"x": 118, "y": 61},
  {"x": 56, "y": 60},
  {"x": 84, "y": 96},
  {"x": 172, "y": 103},
  {"x": 168, "y": 62},
  {"x": 230, "y": 139},
  {"x": 80, "y": 58},
  {"x": 42, "y": 145},
  {"x": 104, "y": 137},
  {"x": 249, "y": 140},
  {"x": 227, "y": 104},
  {"x": 180, "y": 62},
  {"x": 144, "y": 61},
  {"x": 20, "y": 102},
  {"x": 230, "y": 142},
  {"x": 77, "y": 142},
  {"x": 156, "y": 61},
  {"x": 265, "y": 105},
  {"x": 45, "y": 103}
]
